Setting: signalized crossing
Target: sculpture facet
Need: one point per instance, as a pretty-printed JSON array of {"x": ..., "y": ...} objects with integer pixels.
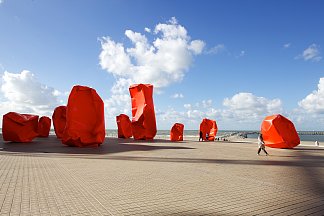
[
  {"x": 44, "y": 126},
  {"x": 19, "y": 127},
  {"x": 85, "y": 124},
  {"x": 124, "y": 126},
  {"x": 143, "y": 115},
  {"x": 209, "y": 127},
  {"x": 59, "y": 121},
  {"x": 279, "y": 132},
  {"x": 176, "y": 133}
]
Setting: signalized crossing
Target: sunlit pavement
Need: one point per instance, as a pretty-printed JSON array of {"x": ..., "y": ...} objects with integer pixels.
[{"x": 127, "y": 177}]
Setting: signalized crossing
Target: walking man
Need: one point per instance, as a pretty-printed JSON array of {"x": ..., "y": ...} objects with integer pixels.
[{"x": 261, "y": 145}]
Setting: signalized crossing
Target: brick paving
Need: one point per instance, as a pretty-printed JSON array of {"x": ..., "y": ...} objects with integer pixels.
[{"x": 127, "y": 177}]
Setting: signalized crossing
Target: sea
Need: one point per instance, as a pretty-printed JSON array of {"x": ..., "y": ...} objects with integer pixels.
[{"x": 191, "y": 134}]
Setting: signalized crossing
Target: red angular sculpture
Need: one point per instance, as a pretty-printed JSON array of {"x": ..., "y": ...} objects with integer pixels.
[
  {"x": 176, "y": 133},
  {"x": 143, "y": 115},
  {"x": 19, "y": 127},
  {"x": 59, "y": 120},
  {"x": 124, "y": 126},
  {"x": 44, "y": 126},
  {"x": 209, "y": 127},
  {"x": 85, "y": 121},
  {"x": 279, "y": 132}
]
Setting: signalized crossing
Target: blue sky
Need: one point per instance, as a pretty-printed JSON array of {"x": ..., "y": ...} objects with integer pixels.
[{"x": 232, "y": 61}]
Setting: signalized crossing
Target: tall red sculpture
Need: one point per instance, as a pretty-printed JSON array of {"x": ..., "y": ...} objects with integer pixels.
[
  {"x": 44, "y": 126},
  {"x": 279, "y": 132},
  {"x": 209, "y": 127},
  {"x": 19, "y": 127},
  {"x": 143, "y": 115},
  {"x": 85, "y": 121},
  {"x": 59, "y": 120},
  {"x": 176, "y": 133},
  {"x": 124, "y": 126}
]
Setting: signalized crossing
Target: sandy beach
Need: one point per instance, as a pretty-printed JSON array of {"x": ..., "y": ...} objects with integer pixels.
[{"x": 159, "y": 177}]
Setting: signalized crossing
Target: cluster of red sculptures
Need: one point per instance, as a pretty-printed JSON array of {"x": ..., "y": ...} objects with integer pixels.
[
  {"x": 143, "y": 124},
  {"x": 81, "y": 123},
  {"x": 24, "y": 127}
]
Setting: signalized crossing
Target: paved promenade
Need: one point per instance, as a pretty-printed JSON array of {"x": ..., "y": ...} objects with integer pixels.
[{"x": 127, "y": 177}]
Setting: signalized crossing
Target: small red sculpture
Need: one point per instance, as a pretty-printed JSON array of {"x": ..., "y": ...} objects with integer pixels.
[
  {"x": 19, "y": 127},
  {"x": 208, "y": 127},
  {"x": 44, "y": 126},
  {"x": 124, "y": 126},
  {"x": 176, "y": 133},
  {"x": 59, "y": 121}
]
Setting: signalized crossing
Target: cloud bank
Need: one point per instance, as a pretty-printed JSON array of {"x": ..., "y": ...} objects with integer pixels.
[
  {"x": 23, "y": 93},
  {"x": 242, "y": 110},
  {"x": 246, "y": 106}
]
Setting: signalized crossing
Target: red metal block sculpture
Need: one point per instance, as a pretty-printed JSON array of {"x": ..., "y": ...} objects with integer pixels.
[
  {"x": 143, "y": 115},
  {"x": 176, "y": 133},
  {"x": 85, "y": 121},
  {"x": 124, "y": 126},
  {"x": 279, "y": 132},
  {"x": 59, "y": 120},
  {"x": 44, "y": 126},
  {"x": 209, "y": 127},
  {"x": 19, "y": 127}
]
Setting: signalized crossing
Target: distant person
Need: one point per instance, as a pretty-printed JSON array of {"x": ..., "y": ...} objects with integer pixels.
[
  {"x": 201, "y": 136},
  {"x": 261, "y": 145},
  {"x": 316, "y": 143},
  {"x": 207, "y": 136}
]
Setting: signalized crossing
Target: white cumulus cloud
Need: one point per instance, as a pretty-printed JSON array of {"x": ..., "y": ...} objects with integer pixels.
[
  {"x": 250, "y": 107},
  {"x": 314, "y": 102},
  {"x": 160, "y": 62},
  {"x": 23, "y": 93},
  {"x": 311, "y": 53},
  {"x": 120, "y": 101}
]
